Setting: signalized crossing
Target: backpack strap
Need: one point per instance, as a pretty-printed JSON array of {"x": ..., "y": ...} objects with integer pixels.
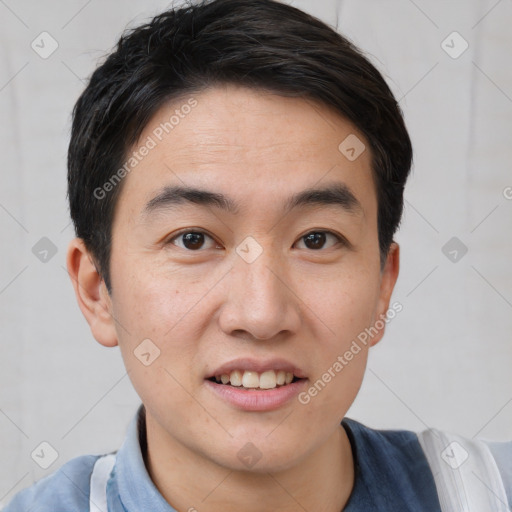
[
  {"x": 502, "y": 453},
  {"x": 99, "y": 478},
  {"x": 465, "y": 472}
]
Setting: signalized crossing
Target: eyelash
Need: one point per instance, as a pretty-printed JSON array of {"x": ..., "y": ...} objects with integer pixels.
[{"x": 339, "y": 238}]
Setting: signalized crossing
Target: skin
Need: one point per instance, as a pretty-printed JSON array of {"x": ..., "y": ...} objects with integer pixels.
[{"x": 205, "y": 307}]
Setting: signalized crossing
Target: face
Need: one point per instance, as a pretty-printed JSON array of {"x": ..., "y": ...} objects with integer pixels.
[{"x": 226, "y": 265}]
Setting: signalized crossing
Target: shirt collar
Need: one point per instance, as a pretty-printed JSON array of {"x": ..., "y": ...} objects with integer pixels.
[
  {"x": 131, "y": 484},
  {"x": 382, "y": 461},
  {"x": 131, "y": 488}
]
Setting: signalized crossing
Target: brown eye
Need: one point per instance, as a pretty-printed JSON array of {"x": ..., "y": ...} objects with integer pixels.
[
  {"x": 317, "y": 240},
  {"x": 192, "y": 240}
]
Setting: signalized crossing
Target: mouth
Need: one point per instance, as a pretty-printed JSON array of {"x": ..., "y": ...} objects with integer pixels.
[
  {"x": 255, "y": 381},
  {"x": 255, "y": 385}
]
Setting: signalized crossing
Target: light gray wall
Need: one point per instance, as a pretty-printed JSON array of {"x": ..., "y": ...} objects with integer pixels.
[{"x": 445, "y": 360}]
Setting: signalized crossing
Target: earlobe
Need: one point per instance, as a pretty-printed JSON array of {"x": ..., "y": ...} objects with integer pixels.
[
  {"x": 389, "y": 276},
  {"x": 91, "y": 293}
]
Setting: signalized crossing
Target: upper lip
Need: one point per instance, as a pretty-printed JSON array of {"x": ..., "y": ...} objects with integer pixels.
[{"x": 257, "y": 365}]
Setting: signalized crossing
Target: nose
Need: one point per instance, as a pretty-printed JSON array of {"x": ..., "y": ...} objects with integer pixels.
[{"x": 260, "y": 301}]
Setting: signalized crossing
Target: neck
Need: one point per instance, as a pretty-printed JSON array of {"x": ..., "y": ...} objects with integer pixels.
[{"x": 188, "y": 481}]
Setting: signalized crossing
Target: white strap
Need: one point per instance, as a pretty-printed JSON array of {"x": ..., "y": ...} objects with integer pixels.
[
  {"x": 465, "y": 473},
  {"x": 99, "y": 478}
]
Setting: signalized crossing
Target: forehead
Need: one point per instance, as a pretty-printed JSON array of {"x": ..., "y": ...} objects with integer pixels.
[{"x": 250, "y": 144}]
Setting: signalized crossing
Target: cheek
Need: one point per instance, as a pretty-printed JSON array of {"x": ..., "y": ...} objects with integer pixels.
[
  {"x": 342, "y": 306},
  {"x": 150, "y": 314},
  {"x": 152, "y": 302},
  {"x": 338, "y": 372},
  {"x": 155, "y": 325},
  {"x": 343, "y": 309}
]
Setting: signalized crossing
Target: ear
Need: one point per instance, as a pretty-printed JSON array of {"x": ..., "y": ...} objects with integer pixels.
[
  {"x": 91, "y": 293},
  {"x": 388, "y": 279}
]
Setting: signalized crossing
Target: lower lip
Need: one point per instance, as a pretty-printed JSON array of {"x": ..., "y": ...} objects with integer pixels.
[{"x": 261, "y": 400}]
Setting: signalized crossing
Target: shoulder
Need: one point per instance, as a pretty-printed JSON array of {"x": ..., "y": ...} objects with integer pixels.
[
  {"x": 475, "y": 471},
  {"x": 502, "y": 453},
  {"x": 65, "y": 490},
  {"x": 393, "y": 462},
  {"x": 386, "y": 445}
]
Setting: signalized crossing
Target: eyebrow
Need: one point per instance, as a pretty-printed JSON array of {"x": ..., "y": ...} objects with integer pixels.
[
  {"x": 336, "y": 194},
  {"x": 170, "y": 196}
]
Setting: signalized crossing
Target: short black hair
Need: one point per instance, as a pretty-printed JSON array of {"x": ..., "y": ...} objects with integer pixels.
[{"x": 262, "y": 44}]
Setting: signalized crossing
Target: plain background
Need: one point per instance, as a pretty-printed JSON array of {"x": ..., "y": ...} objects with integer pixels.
[{"x": 445, "y": 359}]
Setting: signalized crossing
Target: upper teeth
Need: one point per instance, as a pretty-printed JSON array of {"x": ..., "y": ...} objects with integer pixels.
[{"x": 248, "y": 379}]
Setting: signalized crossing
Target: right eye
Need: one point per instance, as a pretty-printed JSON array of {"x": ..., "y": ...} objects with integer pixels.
[{"x": 192, "y": 240}]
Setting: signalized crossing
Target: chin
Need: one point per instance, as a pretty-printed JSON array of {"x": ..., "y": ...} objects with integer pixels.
[{"x": 260, "y": 456}]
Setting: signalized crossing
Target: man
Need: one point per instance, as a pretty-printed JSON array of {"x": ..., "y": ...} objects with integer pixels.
[{"x": 236, "y": 176}]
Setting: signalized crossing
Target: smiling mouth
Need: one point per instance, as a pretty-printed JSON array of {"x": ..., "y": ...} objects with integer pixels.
[{"x": 255, "y": 381}]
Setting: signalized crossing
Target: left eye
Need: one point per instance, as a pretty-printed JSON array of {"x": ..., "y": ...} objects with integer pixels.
[
  {"x": 193, "y": 240},
  {"x": 316, "y": 240}
]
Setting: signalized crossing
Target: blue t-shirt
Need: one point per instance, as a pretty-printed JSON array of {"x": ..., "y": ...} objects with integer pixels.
[{"x": 391, "y": 474}]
